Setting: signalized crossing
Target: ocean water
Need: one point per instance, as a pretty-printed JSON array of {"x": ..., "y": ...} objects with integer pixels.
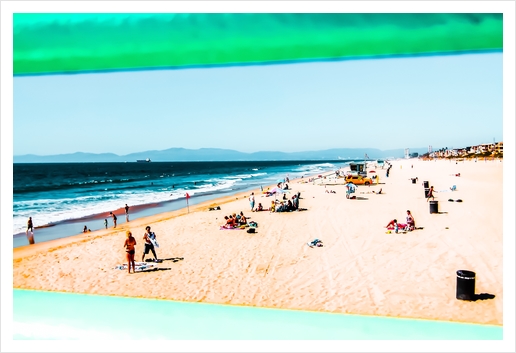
[{"x": 54, "y": 193}]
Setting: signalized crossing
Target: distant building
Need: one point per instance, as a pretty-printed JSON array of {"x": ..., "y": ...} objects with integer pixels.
[
  {"x": 499, "y": 147},
  {"x": 407, "y": 153}
]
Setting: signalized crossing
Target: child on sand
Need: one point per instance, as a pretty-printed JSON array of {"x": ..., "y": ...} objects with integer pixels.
[{"x": 430, "y": 194}]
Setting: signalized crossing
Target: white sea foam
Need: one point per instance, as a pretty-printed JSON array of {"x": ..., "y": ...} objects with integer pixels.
[{"x": 50, "y": 211}]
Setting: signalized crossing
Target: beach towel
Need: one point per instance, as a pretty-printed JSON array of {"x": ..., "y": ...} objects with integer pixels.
[
  {"x": 139, "y": 266},
  {"x": 400, "y": 226},
  {"x": 230, "y": 228},
  {"x": 315, "y": 242}
]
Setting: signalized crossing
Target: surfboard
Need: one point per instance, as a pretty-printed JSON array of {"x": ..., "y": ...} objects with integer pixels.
[{"x": 154, "y": 242}]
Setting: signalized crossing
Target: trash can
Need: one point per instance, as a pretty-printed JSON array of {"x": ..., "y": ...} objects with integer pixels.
[
  {"x": 425, "y": 185},
  {"x": 434, "y": 207},
  {"x": 426, "y": 192},
  {"x": 413, "y": 180},
  {"x": 465, "y": 285}
]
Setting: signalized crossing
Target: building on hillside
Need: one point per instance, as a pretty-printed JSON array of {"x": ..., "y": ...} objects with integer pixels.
[{"x": 499, "y": 147}]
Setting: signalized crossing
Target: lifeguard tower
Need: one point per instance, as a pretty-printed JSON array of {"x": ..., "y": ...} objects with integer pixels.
[{"x": 358, "y": 168}]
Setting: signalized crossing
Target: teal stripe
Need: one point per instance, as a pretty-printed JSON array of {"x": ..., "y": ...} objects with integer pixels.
[
  {"x": 74, "y": 43},
  {"x": 55, "y": 315}
]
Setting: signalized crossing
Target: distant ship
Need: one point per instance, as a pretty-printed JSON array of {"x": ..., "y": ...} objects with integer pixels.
[{"x": 143, "y": 160}]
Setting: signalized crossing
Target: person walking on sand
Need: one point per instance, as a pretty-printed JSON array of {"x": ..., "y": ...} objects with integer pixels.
[
  {"x": 105, "y": 223},
  {"x": 114, "y": 219},
  {"x": 149, "y": 238},
  {"x": 430, "y": 194},
  {"x": 126, "y": 213},
  {"x": 30, "y": 227},
  {"x": 129, "y": 245},
  {"x": 251, "y": 201}
]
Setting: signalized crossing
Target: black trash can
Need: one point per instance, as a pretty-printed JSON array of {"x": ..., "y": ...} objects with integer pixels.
[
  {"x": 434, "y": 206},
  {"x": 426, "y": 192},
  {"x": 465, "y": 285},
  {"x": 413, "y": 180},
  {"x": 425, "y": 185}
]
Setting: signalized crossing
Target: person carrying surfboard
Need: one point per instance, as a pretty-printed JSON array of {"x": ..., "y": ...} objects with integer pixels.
[{"x": 150, "y": 243}]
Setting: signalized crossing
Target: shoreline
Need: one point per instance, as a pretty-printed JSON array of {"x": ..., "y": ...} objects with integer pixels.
[
  {"x": 359, "y": 270},
  {"x": 57, "y": 243},
  {"x": 72, "y": 227}
]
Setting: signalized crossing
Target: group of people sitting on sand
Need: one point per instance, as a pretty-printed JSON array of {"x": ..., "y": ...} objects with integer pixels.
[
  {"x": 406, "y": 227},
  {"x": 235, "y": 221},
  {"x": 286, "y": 205}
]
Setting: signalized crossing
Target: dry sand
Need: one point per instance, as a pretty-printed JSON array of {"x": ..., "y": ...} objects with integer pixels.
[{"x": 360, "y": 269}]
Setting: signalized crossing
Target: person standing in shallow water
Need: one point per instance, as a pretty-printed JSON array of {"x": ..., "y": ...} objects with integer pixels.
[
  {"x": 126, "y": 213},
  {"x": 105, "y": 223},
  {"x": 130, "y": 243},
  {"x": 30, "y": 227},
  {"x": 114, "y": 219}
]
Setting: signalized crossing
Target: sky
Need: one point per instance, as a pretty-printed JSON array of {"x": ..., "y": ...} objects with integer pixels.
[{"x": 439, "y": 101}]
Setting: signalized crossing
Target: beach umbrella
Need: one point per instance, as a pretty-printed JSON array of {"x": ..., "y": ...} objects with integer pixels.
[{"x": 275, "y": 190}]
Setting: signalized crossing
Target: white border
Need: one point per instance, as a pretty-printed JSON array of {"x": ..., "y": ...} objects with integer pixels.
[{"x": 8, "y": 8}]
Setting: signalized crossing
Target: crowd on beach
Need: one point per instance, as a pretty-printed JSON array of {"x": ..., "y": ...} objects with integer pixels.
[{"x": 240, "y": 221}]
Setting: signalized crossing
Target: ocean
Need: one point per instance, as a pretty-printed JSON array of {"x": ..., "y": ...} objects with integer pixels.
[{"x": 71, "y": 195}]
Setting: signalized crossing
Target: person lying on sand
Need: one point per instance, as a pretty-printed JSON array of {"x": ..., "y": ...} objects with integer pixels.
[{"x": 392, "y": 224}]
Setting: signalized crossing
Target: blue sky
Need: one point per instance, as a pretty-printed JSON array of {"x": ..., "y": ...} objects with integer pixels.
[{"x": 442, "y": 101}]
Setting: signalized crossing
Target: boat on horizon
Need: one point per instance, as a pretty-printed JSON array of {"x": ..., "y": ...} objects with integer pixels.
[{"x": 143, "y": 160}]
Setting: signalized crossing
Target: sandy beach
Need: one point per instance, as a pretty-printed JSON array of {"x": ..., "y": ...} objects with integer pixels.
[{"x": 360, "y": 269}]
